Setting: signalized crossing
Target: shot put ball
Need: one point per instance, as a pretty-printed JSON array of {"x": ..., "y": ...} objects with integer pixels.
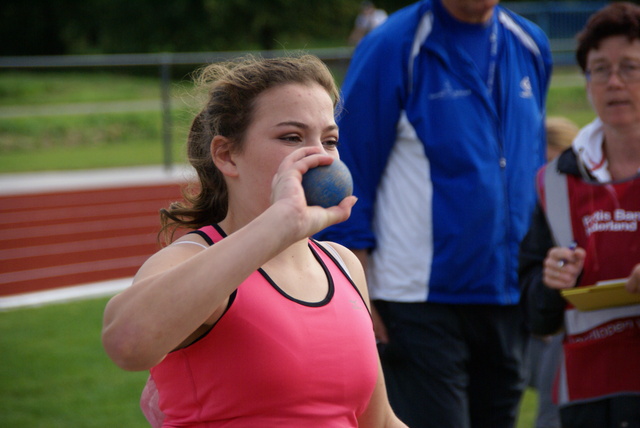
[{"x": 327, "y": 185}]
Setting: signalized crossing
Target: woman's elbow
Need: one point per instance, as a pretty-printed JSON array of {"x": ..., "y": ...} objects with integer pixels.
[{"x": 124, "y": 349}]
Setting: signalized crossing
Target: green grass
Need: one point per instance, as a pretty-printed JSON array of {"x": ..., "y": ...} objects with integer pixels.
[
  {"x": 87, "y": 141},
  {"x": 35, "y": 133},
  {"x": 567, "y": 97},
  {"x": 55, "y": 373},
  {"x": 528, "y": 409},
  {"x": 89, "y": 157},
  {"x": 46, "y": 87},
  {"x": 56, "y": 140}
]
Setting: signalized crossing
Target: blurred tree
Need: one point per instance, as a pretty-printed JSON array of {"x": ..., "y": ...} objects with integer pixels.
[
  {"x": 125, "y": 26},
  {"x": 52, "y": 27},
  {"x": 271, "y": 24},
  {"x": 30, "y": 27},
  {"x": 39, "y": 27}
]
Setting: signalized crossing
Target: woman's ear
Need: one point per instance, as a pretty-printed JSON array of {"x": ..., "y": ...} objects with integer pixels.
[{"x": 221, "y": 155}]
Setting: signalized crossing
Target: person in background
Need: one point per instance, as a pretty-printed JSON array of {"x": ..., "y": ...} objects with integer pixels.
[
  {"x": 369, "y": 18},
  {"x": 246, "y": 322},
  {"x": 544, "y": 351},
  {"x": 443, "y": 123},
  {"x": 585, "y": 231},
  {"x": 560, "y": 134}
]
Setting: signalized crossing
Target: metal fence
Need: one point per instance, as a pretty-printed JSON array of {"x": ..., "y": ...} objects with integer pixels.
[{"x": 560, "y": 20}]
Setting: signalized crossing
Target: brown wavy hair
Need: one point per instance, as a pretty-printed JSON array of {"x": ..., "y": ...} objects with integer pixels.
[
  {"x": 232, "y": 89},
  {"x": 616, "y": 19}
]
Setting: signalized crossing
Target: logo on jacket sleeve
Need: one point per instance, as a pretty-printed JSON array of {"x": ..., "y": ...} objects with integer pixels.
[
  {"x": 448, "y": 92},
  {"x": 525, "y": 88}
]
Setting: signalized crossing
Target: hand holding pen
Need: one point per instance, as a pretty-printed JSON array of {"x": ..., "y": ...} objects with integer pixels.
[
  {"x": 562, "y": 262},
  {"x": 563, "y": 266}
]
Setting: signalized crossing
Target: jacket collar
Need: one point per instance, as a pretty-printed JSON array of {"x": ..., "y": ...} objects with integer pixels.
[{"x": 588, "y": 146}]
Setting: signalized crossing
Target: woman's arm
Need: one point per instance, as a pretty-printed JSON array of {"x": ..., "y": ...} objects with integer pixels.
[
  {"x": 183, "y": 287},
  {"x": 544, "y": 307}
]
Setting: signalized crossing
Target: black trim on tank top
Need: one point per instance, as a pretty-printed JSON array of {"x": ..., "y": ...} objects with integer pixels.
[
  {"x": 206, "y": 237},
  {"x": 322, "y": 302},
  {"x": 203, "y": 236},
  {"x": 232, "y": 296},
  {"x": 340, "y": 266},
  {"x": 219, "y": 229}
]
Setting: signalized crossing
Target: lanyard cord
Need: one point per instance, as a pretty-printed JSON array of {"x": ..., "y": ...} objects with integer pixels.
[{"x": 493, "y": 56}]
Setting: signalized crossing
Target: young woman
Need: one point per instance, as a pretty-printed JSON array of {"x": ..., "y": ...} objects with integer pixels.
[{"x": 247, "y": 321}]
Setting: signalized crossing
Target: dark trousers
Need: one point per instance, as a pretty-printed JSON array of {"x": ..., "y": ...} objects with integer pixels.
[
  {"x": 457, "y": 366},
  {"x": 615, "y": 412}
]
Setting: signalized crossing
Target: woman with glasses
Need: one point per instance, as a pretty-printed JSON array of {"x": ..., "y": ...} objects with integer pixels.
[{"x": 586, "y": 230}]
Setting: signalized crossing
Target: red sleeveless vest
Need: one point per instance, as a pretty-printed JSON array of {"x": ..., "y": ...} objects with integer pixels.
[{"x": 601, "y": 347}]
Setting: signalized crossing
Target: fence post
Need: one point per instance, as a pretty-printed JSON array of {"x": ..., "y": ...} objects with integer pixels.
[{"x": 165, "y": 82}]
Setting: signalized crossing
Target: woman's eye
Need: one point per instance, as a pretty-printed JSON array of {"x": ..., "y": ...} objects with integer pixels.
[
  {"x": 331, "y": 143},
  {"x": 291, "y": 138},
  {"x": 601, "y": 69}
]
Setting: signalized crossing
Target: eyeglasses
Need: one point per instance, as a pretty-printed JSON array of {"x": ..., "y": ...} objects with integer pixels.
[{"x": 628, "y": 72}]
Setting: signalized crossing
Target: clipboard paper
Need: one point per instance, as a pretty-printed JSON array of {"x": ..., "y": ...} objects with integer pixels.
[{"x": 604, "y": 294}]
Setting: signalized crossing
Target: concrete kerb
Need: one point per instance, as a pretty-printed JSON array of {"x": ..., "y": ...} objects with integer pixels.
[
  {"x": 55, "y": 181},
  {"x": 64, "y": 294}
]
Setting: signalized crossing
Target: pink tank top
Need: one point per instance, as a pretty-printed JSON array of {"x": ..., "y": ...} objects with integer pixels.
[{"x": 273, "y": 361}]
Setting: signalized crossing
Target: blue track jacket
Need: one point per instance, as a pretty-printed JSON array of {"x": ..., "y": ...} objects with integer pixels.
[{"x": 444, "y": 176}]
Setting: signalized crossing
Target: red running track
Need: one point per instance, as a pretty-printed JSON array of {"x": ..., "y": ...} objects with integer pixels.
[{"x": 63, "y": 238}]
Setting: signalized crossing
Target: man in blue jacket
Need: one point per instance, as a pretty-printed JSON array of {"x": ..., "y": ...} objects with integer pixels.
[{"x": 443, "y": 130}]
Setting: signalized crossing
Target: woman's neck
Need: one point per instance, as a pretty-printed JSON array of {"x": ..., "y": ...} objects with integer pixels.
[
  {"x": 622, "y": 149},
  {"x": 469, "y": 13}
]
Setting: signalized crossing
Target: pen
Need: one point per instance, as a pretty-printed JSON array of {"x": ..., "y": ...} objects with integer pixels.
[{"x": 572, "y": 246}]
